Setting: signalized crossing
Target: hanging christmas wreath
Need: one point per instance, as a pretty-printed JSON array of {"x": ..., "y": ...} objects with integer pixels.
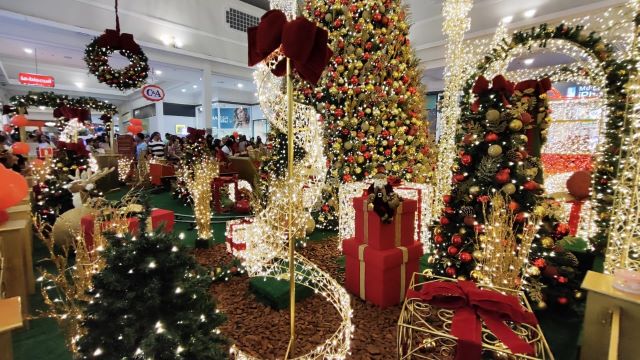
[{"x": 97, "y": 53}]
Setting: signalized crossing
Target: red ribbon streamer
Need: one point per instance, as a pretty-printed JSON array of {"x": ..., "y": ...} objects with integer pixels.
[
  {"x": 574, "y": 216},
  {"x": 471, "y": 304},
  {"x": 300, "y": 40}
]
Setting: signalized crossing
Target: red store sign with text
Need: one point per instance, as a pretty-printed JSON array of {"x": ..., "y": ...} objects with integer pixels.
[{"x": 36, "y": 80}]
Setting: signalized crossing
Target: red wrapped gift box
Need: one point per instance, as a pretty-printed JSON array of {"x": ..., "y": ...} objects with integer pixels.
[
  {"x": 233, "y": 244},
  {"x": 157, "y": 171},
  {"x": 216, "y": 186},
  {"x": 158, "y": 217},
  {"x": 380, "y": 236},
  {"x": 380, "y": 276}
]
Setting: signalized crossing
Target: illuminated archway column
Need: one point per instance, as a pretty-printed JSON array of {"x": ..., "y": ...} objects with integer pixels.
[
  {"x": 456, "y": 23},
  {"x": 207, "y": 92}
]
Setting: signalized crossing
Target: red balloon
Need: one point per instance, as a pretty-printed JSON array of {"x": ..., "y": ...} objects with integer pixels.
[
  {"x": 138, "y": 129},
  {"x": 14, "y": 188},
  {"x": 135, "y": 121},
  {"x": 19, "y": 120},
  {"x": 20, "y": 148},
  {"x": 4, "y": 216},
  {"x": 235, "y": 134},
  {"x": 579, "y": 184}
]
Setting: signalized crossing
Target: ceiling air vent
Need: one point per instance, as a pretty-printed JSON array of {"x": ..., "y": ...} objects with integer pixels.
[{"x": 239, "y": 20}]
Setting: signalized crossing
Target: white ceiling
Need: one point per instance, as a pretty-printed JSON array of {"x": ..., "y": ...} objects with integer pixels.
[{"x": 59, "y": 30}]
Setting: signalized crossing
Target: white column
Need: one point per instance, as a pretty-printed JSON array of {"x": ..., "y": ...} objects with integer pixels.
[
  {"x": 161, "y": 125},
  {"x": 207, "y": 90}
]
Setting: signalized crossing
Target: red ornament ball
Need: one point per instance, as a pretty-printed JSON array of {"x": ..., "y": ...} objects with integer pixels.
[
  {"x": 531, "y": 185},
  {"x": 458, "y": 178},
  {"x": 449, "y": 210},
  {"x": 456, "y": 239},
  {"x": 444, "y": 220},
  {"x": 451, "y": 271},
  {"x": 438, "y": 239},
  {"x": 491, "y": 137},
  {"x": 513, "y": 205},
  {"x": 562, "y": 280},
  {"x": 521, "y": 217},
  {"x": 503, "y": 177},
  {"x": 447, "y": 199},
  {"x": 469, "y": 220},
  {"x": 539, "y": 263},
  {"x": 465, "y": 257},
  {"x": 452, "y": 250},
  {"x": 466, "y": 159},
  {"x": 563, "y": 300}
]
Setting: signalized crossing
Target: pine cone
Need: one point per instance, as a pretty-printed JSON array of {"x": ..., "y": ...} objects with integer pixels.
[
  {"x": 467, "y": 211},
  {"x": 514, "y": 155},
  {"x": 567, "y": 258}
]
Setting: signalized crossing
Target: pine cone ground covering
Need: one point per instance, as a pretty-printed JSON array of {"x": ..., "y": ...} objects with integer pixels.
[{"x": 264, "y": 332}]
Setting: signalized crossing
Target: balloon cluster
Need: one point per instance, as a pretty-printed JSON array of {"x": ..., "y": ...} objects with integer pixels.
[{"x": 135, "y": 126}]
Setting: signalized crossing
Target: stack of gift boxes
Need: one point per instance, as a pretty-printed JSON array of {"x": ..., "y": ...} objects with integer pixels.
[{"x": 381, "y": 258}]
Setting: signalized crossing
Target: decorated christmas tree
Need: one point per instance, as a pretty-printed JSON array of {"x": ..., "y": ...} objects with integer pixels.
[
  {"x": 370, "y": 97},
  {"x": 151, "y": 301},
  {"x": 503, "y": 129}
]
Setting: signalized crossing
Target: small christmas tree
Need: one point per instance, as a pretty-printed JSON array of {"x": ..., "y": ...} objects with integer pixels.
[{"x": 151, "y": 302}]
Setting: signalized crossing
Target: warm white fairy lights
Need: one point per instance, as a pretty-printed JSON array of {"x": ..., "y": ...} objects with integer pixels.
[
  {"x": 124, "y": 168},
  {"x": 198, "y": 178},
  {"x": 456, "y": 23},
  {"x": 266, "y": 238},
  {"x": 70, "y": 131},
  {"x": 623, "y": 250}
]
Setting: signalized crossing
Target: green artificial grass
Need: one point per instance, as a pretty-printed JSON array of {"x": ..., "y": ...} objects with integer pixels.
[{"x": 275, "y": 292}]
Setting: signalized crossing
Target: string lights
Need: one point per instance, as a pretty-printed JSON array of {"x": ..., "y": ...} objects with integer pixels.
[
  {"x": 456, "y": 23},
  {"x": 198, "y": 177}
]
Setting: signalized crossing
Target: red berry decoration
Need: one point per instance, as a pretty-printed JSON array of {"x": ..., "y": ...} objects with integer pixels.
[
  {"x": 465, "y": 257},
  {"x": 450, "y": 271},
  {"x": 562, "y": 280},
  {"x": 521, "y": 217},
  {"x": 456, "y": 240},
  {"x": 563, "y": 229},
  {"x": 452, "y": 250},
  {"x": 539, "y": 263}
]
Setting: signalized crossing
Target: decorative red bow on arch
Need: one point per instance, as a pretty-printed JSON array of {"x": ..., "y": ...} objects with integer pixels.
[
  {"x": 470, "y": 304},
  {"x": 499, "y": 85},
  {"x": 540, "y": 86},
  {"x": 300, "y": 40}
]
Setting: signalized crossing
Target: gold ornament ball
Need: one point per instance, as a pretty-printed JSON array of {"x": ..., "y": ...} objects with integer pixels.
[
  {"x": 538, "y": 210},
  {"x": 524, "y": 138},
  {"x": 494, "y": 150},
  {"x": 477, "y": 254},
  {"x": 462, "y": 231},
  {"x": 578, "y": 295},
  {"x": 474, "y": 190},
  {"x": 429, "y": 344},
  {"x": 348, "y": 145},
  {"x": 547, "y": 242},
  {"x": 493, "y": 116},
  {"x": 533, "y": 271},
  {"x": 515, "y": 125},
  {"x": 462, "y": 278},
  {"x": 370, "y": 206},
  {"x": 509, "y": 189},
  {"x": 542, "y": 305},
  {"x": 476, "y": 275}
]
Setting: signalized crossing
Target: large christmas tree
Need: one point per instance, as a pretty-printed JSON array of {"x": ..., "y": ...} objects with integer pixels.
[
  {"x": 370, "y": 97},
  {"x": 151, "y": 301},
  {"x": 499, "y": 141}
]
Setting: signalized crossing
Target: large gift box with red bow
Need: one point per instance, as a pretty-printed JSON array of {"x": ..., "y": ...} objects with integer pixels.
[
  {"x": 383, "y": 236},
  {"x": 379, "y": 276},
  {"x": 446, "y": 318}
]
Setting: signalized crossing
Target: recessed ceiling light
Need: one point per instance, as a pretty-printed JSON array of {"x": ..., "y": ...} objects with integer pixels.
[
  {"x": 195, "y": 86},
  {"x": 184, "y": 90},
  {"x": 507, "y": 19},
  {"x": 529, "y": 13},
  {"x": 79, "y": 84},
  {"x": 158, "y": 72},
  {"x": 166, "y": 40},
  {"x": 528, "y": 61},
  {"x": 240, "y": 85},
  {"x": 28, "y": 51}
]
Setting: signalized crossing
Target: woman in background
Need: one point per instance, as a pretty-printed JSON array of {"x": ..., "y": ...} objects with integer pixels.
[{"x": 156, "y": 145}]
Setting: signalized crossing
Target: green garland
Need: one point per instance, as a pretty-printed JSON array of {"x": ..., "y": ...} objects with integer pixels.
[
  {"x": 617, "y": 75},
  {"x": 132, "y": 76},
  {"x": 52, "y": 100}
]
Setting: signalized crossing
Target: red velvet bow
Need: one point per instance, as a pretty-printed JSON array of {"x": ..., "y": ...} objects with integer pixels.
[
  {"x": 300, "y": 40},
  {"x": 499, "y": 85},
  {"x": 72, "y": 113},
  {"x": 194, "y": 134},
  {"x": 540, "y": 86},
  {"x": 470, "y": 304},
  {"x": 117, "y": 41}
]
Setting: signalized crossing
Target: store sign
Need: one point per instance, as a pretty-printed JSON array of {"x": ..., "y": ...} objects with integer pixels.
[
  {"x": 36, "y": 80},
  {"x": 153, "y": 93}
]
